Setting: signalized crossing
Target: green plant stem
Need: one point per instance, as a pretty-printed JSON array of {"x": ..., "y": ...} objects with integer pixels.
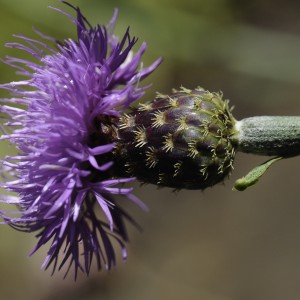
[{"x": 265, "y": 135}]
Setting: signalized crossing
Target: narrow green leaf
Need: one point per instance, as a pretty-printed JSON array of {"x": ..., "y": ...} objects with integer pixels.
[{"x": 254, "y": 175}]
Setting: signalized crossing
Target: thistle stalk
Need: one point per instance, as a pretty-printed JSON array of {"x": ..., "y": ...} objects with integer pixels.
[
  {"x": 269, "y": 135},
  {"x": 277, "y": 136}
]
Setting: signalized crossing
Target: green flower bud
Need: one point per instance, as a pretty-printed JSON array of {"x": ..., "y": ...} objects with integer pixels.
[{"x": 181, "y": 141}]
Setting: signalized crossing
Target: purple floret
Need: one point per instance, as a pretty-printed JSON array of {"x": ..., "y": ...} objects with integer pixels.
[{"x": 61, "y": 177}]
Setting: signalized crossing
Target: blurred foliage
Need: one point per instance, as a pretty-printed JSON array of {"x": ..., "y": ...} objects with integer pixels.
[{"x": 215, "y": 245}]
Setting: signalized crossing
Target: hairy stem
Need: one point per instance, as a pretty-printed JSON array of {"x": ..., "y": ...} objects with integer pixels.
[{"x": 276, "y": 136}]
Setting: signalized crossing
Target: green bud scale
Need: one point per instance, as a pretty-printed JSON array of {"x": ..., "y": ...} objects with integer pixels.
[{"x": 182, "y": 140}]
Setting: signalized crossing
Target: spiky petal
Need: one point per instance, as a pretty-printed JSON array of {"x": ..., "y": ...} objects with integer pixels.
[{"x": 62, "y": 172}]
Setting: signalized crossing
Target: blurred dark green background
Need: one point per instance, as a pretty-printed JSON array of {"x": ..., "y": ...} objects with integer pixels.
[{"x": 212, "y": 245}]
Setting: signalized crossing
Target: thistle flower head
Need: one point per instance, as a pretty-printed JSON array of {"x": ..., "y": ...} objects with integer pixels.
[
  {"x": 182, "y": 140},
  {"x": 61, "y": 175}
]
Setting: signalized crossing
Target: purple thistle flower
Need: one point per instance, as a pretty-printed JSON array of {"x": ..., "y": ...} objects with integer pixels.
[{"x": 62, "y": 179}]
